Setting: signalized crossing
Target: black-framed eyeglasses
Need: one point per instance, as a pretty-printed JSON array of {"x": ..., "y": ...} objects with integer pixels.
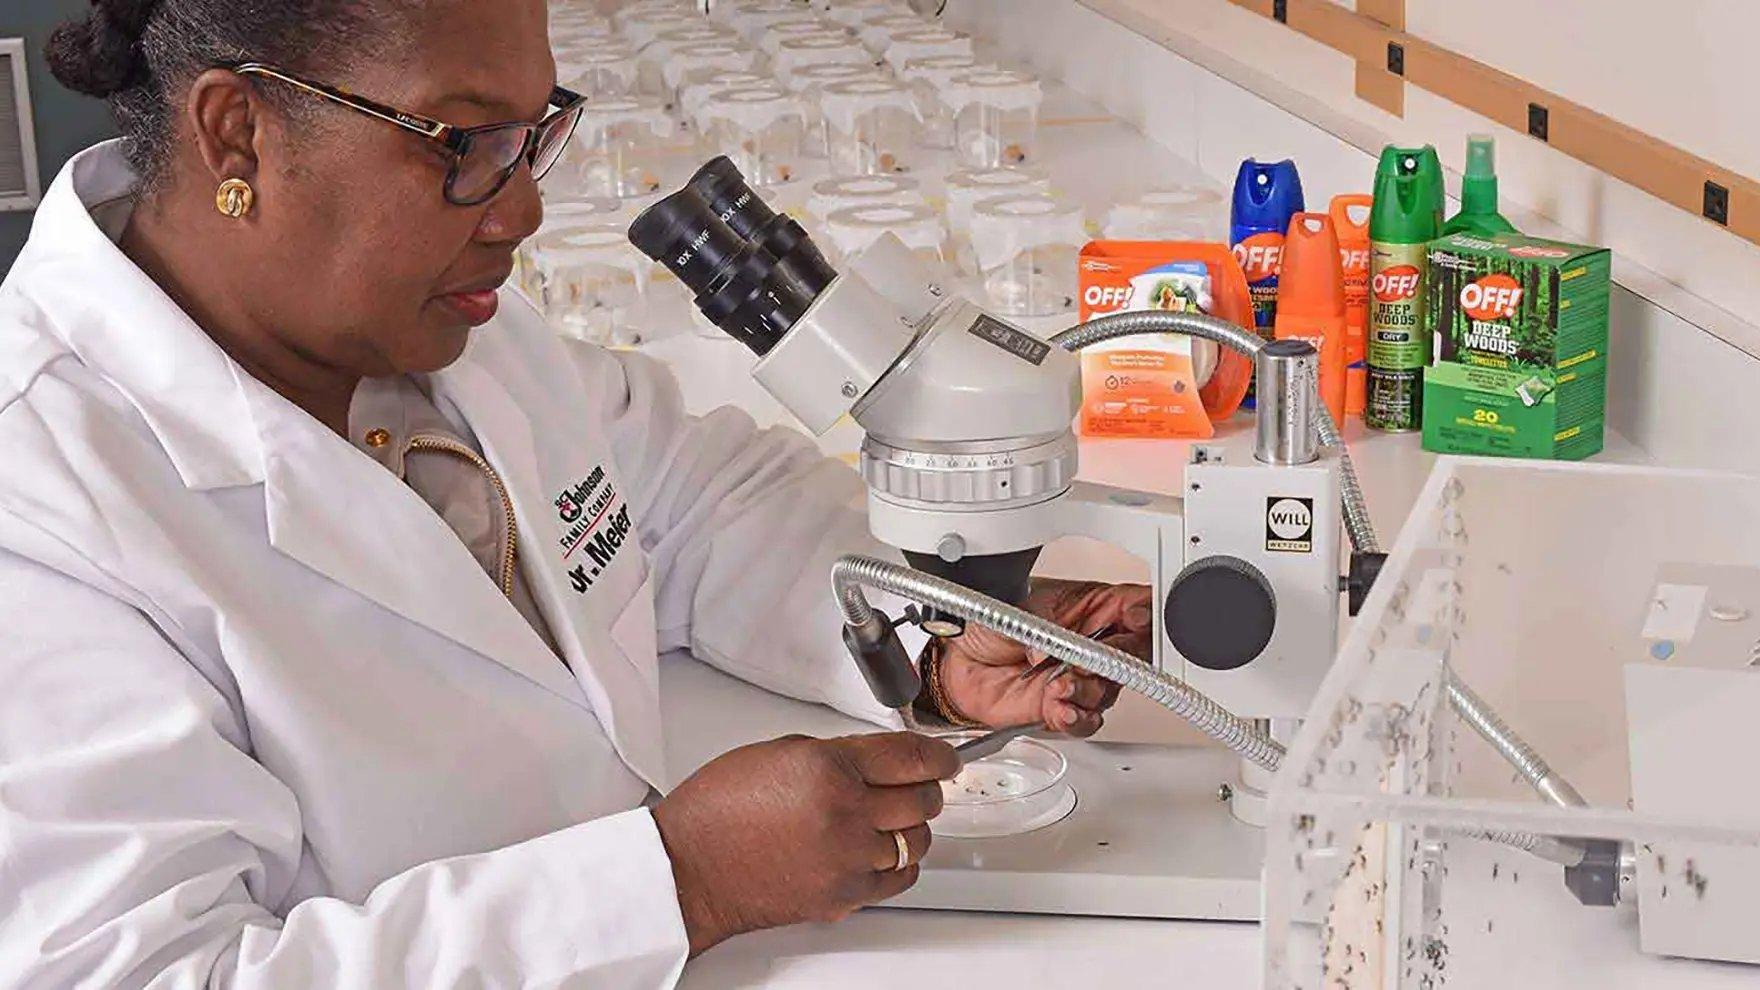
[{"x": 483, "y": 158}]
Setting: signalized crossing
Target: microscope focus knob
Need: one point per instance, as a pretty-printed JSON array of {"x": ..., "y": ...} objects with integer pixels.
[{"x": 1220, "y": 612}]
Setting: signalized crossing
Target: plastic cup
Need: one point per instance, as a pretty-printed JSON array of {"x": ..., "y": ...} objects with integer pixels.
[
  {"x": 995, "y": 117},
  {"x": 618, "y": 147},
  {"x": 854, "y": 229},
  {"x": 1027, "y": 250},
  {"x": 1175, "y": 213},
  {"x": 761, "y": 128},
  {"x": 966, "y": 188},
  {"x": 841, "y": 192},
  {"x": 870, "y": 126}
]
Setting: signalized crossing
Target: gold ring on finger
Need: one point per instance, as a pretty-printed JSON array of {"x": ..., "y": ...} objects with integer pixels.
[{"x": 904, "y": 852}]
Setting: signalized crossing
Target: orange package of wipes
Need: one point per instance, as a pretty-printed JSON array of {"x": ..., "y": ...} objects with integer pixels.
[{"x": 1162, "y": 385}]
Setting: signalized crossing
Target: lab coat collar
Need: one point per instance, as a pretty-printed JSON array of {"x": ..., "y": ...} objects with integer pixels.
[
  {"x": 344, "y": 515},
  {"x": 124, "y": 327}
]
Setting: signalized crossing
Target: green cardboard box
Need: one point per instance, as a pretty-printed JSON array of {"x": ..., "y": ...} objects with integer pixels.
[{"x": 1520, "y": 327}]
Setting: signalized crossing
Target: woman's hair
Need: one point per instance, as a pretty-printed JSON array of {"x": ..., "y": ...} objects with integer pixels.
[{"x": 140, "y": 55}]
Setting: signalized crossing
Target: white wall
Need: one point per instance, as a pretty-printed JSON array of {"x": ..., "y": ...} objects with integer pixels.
[
  {"x": 1682, "y": 71},
  {"x": 1218, "y": 83}
]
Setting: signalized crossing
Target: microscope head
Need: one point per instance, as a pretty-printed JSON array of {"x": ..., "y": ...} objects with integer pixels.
[{"x": 967, "y": 417}]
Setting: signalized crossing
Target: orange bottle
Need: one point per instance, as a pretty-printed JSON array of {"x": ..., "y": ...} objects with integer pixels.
[
  {"x": 1353, "y": 247},
  {"x": 1310, "y": 300}
]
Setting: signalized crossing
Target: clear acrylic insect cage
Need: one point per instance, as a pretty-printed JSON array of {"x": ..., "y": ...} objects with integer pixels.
[
  {"x": 995, "y": 117},
  {"x": 870, "y": 126},
  {"x": 1603, "y": 624}
]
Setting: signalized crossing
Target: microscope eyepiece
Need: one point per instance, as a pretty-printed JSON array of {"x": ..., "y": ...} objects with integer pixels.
[
  {"x": 682, "y": 233},
  {"x": 753, "y": 272},
  {"x": 720, "y": 184}
]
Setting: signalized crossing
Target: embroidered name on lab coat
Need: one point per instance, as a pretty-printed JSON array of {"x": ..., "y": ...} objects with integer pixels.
[{"x": 597, "y": 525}]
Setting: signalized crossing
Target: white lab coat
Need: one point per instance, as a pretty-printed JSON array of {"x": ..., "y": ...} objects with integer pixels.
[{"x": 264, "y": 720}]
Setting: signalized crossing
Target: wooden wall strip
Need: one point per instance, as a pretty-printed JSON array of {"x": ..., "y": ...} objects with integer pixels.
[
  {"x": 1663, "y": 170},
  {"x": 1375, "y": 84},
  {"x": 1389, "y": 12}
]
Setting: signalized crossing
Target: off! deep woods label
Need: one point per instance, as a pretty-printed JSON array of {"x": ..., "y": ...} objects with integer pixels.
[
  {"x": 1398, "y": 348},
  {"x": 1522, "y": 328}
]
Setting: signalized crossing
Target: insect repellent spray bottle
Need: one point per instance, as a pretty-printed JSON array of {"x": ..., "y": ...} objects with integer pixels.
[
  {"x": 1478, "y": 213},
  {"x": 1350, "y": 220},
  {"x": 1407, "y": 215},
  {"x": 1266, "y": 195},
  {"x": 1310, "y": 300}
]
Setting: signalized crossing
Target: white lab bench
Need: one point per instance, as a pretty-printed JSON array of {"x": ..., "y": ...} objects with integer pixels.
[{"x": 1095, "y": 160}]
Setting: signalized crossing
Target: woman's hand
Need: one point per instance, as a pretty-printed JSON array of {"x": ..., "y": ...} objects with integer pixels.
[
  {"x": 799, "y": 829},
  {"x": 991, "y": 679}
]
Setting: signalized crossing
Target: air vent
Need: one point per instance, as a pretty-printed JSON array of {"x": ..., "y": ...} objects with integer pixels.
[{"x": 19, "y": 184}]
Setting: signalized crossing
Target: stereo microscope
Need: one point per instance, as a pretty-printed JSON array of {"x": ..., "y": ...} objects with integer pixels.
[{"x": 970, "y": 464}]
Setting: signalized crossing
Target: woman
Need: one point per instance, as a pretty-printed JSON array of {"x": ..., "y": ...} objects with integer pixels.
[{"x": 333, "y": 581}]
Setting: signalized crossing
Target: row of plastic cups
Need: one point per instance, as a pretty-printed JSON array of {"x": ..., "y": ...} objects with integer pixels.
[
  {"x": 946, "y": 81},
  {"x": 1021, "y": 246},
  {"x": 785, "y": 33},
  {"x": 1002, "y": 227},
  {"x": 867, "y": 124}
]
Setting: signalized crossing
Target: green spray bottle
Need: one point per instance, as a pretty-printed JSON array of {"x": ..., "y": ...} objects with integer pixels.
[
  {"x": 1407, "y": 215},
  {"x": 1478, "y": 213}
]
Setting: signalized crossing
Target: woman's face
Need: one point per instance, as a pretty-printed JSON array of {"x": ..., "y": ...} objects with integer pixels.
[{"x": 360, "y": 263}]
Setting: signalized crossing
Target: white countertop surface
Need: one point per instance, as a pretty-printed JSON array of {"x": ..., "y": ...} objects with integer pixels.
[{"x": 887, "y": 949}]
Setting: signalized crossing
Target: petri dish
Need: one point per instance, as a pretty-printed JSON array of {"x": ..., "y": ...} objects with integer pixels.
[{"x": 1018, "y": 790}]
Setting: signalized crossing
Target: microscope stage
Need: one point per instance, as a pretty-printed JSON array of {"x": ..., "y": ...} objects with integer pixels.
[{"x": 1149, "y": 836}]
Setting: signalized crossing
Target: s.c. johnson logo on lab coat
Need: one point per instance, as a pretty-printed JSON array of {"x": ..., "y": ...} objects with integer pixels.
[{"x": 596, "y": 525}]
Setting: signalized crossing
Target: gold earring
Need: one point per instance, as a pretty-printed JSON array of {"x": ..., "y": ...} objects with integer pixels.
[{"x": 234, "y": 198}]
